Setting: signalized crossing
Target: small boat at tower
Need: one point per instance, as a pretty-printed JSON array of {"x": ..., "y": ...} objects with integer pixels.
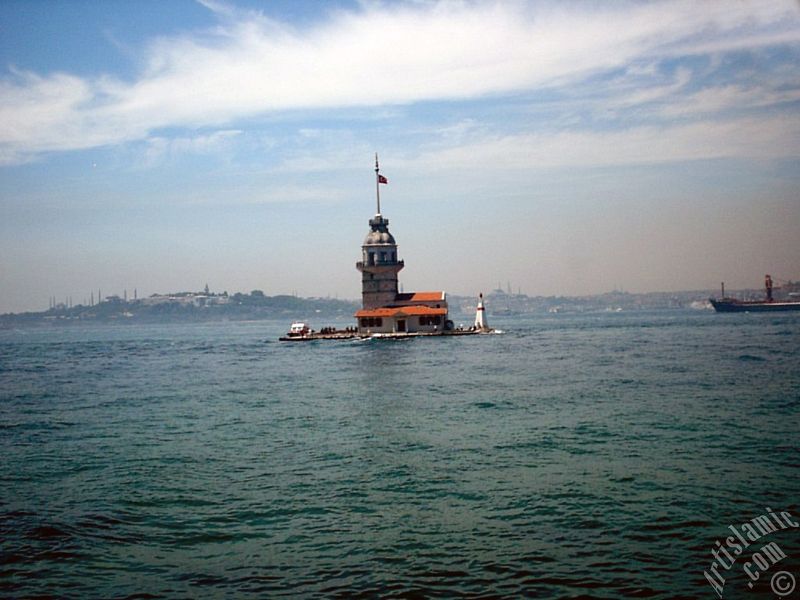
[{"x": 298, "y": 329}]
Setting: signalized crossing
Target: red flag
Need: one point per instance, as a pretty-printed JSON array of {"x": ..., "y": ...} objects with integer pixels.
[{"x": 382, "y": 179}]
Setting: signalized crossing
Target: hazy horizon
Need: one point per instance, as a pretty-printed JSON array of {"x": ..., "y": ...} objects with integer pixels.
[{"x": 567, "y": 148}]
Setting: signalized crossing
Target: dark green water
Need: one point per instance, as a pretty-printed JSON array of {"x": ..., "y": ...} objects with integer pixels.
[{"x": 571, "y": 456}]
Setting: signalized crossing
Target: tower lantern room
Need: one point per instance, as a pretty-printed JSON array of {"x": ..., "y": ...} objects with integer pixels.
[{"x": 379, "y": 265}]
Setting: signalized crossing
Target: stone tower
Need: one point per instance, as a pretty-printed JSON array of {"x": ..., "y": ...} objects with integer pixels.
[{"x": 379, "y": 265}]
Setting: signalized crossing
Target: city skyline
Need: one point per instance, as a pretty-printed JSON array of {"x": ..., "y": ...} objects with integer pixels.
[{"x": 570, "y": 148}]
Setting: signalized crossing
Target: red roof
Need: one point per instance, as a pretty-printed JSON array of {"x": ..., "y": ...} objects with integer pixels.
[
  {"x": 421, "y": 297},
  {"x": 402, "y": 311}
]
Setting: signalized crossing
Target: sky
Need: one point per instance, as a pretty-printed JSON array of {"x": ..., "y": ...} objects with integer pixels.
[{"x": 564, "y": 148}]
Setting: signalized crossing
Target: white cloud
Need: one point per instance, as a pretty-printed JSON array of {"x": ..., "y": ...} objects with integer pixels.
[
  {"x": 38, "y": 113},
  {"x": 381, "y": 55},
  {"x": 160, "y": 147},
  {"x": 266, "y": 193},
  {"x": 629, "y": 92},
  {"x": 735, "y": 97},
  {"x": 746, "y": 138}
]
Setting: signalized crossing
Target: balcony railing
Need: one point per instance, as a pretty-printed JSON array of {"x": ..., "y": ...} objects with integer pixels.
[{"x": 379, "y": 265}]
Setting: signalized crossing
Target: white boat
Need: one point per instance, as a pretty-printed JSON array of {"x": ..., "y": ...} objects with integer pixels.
[{"x": 299, "y": 329}]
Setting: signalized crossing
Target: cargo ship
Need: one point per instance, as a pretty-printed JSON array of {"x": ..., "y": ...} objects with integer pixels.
[{"x": 769, "y": 304}]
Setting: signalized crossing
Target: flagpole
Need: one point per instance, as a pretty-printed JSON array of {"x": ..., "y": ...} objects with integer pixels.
[{"x": 377, "y": 184}]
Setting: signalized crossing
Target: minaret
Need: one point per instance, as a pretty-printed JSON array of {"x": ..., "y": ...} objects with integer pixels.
[
  {"x": 379, "y": 265},
  {"x": 480, "y": 316}
]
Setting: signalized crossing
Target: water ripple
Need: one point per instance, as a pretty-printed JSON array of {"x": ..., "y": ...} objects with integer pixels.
[{"x": 577, "y": 457}]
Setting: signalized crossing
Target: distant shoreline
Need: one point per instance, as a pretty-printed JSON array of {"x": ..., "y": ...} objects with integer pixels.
[{"x": 205, "y": 307}]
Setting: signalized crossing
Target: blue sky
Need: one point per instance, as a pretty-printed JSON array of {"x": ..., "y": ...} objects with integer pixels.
[{"x": 568, "y": 148}]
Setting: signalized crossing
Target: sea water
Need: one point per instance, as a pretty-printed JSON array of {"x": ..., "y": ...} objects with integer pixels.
[{"x": 593, "y": 455}]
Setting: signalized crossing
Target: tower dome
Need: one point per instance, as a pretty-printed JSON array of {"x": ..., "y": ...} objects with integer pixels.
[
  {"x": 379, "y": 247},
  {"x": 379, "y": 265},
  {"x": 379, "y": 233}
]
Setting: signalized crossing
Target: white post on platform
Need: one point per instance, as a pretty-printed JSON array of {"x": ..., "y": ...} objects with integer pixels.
[{"x": 480, "y": 316}]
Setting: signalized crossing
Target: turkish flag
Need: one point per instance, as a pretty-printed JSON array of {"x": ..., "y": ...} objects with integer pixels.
[{"x": 382, "y": 179}]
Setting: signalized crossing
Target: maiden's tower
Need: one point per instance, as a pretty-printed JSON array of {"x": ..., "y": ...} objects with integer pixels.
[{"x": 384, "y": 309}]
